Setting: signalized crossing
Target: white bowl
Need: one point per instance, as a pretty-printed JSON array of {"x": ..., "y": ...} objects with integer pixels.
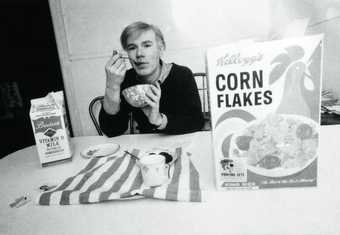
[{"x": 135, "y": 95}]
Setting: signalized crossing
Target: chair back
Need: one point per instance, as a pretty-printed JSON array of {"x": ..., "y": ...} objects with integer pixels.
[
  {"x": 201, "y": 81},
  {"x": 94, "y": 109}
]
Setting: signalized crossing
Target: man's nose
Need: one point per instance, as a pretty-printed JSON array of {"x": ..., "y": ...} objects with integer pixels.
[{"x": 140, "y": 52}]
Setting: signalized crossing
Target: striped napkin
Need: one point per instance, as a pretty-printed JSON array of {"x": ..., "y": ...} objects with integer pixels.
[{"x": 119, "y": 178}]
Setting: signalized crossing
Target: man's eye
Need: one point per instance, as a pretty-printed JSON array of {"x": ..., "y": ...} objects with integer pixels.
[{"x": 131, "y": 48}]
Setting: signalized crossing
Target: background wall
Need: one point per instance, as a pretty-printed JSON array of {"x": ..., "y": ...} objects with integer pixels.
[
  {"x": 323, "y": 17},
  {"x": 88, "y": 31}
]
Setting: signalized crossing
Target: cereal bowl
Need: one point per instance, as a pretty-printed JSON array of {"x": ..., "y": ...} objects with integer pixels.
[{"x": 135, "y": 95}]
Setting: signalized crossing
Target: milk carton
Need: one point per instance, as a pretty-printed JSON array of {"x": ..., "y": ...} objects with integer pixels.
[{"x": 50, "y": 127}]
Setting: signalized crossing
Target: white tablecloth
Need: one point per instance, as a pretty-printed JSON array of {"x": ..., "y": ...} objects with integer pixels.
[{"x": 314, "y": 210}]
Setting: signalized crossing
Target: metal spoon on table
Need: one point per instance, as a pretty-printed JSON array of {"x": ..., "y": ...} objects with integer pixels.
[{"x": 132, "y": 155}]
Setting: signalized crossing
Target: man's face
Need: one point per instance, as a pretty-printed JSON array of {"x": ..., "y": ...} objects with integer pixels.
[{"x": 144, "y": 52}]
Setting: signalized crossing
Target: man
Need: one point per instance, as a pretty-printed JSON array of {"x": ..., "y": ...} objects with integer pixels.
[{"x": 173, "y": 103}]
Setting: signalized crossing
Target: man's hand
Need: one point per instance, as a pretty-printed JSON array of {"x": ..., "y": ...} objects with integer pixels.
[
  {"x": 153, "y": 96},
  {"x": 115, "y": 71}
]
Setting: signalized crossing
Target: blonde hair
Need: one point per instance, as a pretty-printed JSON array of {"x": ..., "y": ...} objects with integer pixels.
[{"x": 137, "y": 28}]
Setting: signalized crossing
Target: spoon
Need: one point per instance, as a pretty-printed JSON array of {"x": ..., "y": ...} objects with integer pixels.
[{"x": 132, "y": 155}]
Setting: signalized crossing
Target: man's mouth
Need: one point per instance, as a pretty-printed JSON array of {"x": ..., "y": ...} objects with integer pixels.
[{"x": 140, "y": 63}]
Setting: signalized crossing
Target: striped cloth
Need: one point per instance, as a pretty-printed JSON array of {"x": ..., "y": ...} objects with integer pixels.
[{"x": 119, "y": 178}]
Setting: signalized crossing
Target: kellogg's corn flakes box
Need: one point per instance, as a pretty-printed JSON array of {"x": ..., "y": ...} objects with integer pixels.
[
  {"x": 50, "y": 127},
  {"x": 265, "y": 112}
]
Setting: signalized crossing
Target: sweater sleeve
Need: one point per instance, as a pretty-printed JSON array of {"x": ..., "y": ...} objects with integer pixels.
[
  {"x": 114, "y": 125},
  {"x": 188, "y": 116}
]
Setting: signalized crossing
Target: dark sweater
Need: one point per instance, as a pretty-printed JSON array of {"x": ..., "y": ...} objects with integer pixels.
[{"x": 180, "y": 102}]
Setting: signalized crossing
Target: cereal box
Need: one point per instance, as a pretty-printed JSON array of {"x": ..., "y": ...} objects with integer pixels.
[
  {"x": 50, "y": 127},
  {"x": 265, "y": 112}
]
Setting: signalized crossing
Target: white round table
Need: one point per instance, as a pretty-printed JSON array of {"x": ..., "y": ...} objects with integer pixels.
[{"x": 314, "y": 210}]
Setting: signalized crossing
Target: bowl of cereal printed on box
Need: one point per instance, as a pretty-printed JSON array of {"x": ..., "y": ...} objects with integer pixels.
[{"x": 278, "y": 145}]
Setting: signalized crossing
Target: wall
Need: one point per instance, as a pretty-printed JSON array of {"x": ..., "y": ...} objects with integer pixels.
[
  {"x": 87, "y": 32},
  {"x": 323, "y": 17}
]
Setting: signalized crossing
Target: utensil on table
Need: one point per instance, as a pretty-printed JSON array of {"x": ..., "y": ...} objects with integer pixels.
[
  {"x": 18, "y": 202},
  {"x": 132, "y": 155},
  {"x": 46, "y": 187}
]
